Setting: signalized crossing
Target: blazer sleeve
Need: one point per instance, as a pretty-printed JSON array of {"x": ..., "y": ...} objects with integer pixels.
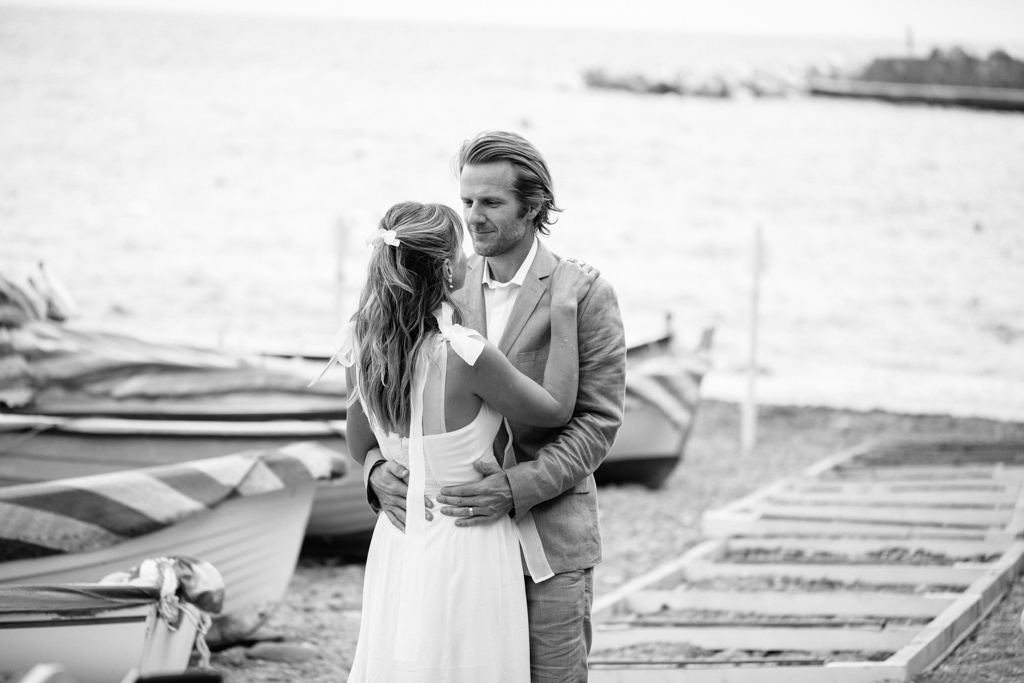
[{"x": 582, "y": 444}]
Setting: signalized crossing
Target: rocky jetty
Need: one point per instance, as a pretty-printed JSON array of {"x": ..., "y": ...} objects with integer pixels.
[{"x": 723, "y": 84}]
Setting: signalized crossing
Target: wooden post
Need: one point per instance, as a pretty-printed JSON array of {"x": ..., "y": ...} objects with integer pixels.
[{"x": 748, "y": 434}]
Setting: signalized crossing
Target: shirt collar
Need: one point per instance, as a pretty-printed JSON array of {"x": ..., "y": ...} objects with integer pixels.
[{"x": 520, "y": 277}]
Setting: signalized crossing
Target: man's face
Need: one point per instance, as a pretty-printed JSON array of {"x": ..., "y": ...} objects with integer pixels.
[{"x": 491, "y": 210}]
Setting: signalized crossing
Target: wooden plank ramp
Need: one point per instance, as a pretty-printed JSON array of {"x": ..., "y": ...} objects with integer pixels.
[{"x": 869, "y": 566}]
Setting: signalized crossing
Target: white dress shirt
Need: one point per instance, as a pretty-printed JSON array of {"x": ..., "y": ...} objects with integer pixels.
[{"x": 500, "y": 297}]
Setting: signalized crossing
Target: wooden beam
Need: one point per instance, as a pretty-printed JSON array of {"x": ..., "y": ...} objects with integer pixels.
[
  {"x": 960, "y": 517},
  {"x": 925, "y": 474},
  {"x": 848, "y": 573},
  {"x": 753, "y": 499},
  {"x": 671, "y": 573},
  {"x": 883, "y": 488},
  {"x": 980, "y": 499},
  {"x": 841, "y": 458},
  {"x": 716, "y": 672},
  {"x": 889, "y": 639},
  {"x": 811, "y": 472},
  {"x": 860, "y": 546},
  {"x": 946, "y": 631},
  {"x": 840, "y": 603},
  {"x": 714, "y": 524}
]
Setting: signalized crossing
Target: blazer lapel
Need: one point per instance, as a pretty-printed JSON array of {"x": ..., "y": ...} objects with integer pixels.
[{"x": 533, "y": 289}]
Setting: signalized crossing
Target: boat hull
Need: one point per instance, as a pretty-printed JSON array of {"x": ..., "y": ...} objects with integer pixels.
[
  {"x": 648, "y": 448},
  {"x": 339, "y": 509},
  {"x": 254, "y": 542},
  {"x": 99, "y": 647}
]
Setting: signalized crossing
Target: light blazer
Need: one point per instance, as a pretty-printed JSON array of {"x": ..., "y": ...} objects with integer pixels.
[{"x": 553, "y": 476}]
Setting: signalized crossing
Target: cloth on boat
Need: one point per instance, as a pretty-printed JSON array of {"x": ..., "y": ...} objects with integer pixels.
[
  {"x": 89, "y": 513},
  {"x": 440, "y": 602},
  {"x": 180, "y": 579},
  {"x": 182, "y": 576}
]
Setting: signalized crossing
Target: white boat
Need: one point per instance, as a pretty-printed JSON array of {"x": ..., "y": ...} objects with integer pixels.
[
  {"x": 96, "y": 633},
  {"x": 244, "y": 513},
  {"x": 662, "y": 396},
  {"x": 40, "y": 448}
]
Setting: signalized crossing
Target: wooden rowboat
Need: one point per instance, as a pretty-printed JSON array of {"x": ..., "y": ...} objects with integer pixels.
[
  {"x": 662, "y": 395},
  {"x": 97, "y": 633},
  {"x": 244, "y": 513},
  {"x": 41, "y": 448}
]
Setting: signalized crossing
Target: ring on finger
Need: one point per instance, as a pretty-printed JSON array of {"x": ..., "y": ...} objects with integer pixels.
[{"x": 470, "y": 512}]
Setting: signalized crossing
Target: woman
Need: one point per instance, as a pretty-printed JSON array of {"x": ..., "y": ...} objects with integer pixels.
[{"x": 440, "y": 602}]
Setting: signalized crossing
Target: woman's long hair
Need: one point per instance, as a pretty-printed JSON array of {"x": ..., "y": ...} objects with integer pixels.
[{"x": 405, "y": 284}]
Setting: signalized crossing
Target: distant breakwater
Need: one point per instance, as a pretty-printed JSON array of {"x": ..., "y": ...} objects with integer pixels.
[{"x": 952, "y": 67}]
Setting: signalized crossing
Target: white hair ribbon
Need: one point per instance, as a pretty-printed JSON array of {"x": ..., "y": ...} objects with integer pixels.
[{"x": 381, "y": 235}]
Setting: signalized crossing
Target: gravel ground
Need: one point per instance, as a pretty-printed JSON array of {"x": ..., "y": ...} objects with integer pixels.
[{"x": 643, "y": 529}]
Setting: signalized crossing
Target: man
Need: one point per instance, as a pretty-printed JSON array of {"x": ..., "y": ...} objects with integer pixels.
[{"x": 508, "y": 199}]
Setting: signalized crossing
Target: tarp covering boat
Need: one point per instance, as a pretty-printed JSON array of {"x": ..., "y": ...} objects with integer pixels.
[
  {"x": 45, "y": 366},
  {"x": 94, "y": 512},
  {"x": 50, "y": 368}
]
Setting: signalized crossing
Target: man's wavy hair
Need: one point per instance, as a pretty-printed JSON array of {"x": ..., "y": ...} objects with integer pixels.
[
  {"x": 404, "y": 286},
  {"x": 532, "y": 183}
]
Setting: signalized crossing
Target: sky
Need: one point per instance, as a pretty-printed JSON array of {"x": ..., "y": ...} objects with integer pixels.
[{"x": 969, "y": 21}]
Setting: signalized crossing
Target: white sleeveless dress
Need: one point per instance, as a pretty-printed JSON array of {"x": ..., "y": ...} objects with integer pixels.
[{"x": 442, "y": 603}]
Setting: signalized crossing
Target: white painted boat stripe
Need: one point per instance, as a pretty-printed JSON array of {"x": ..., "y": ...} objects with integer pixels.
[
  {"x": 261, "y": 479},
  {"x": 317, "y": 459},
  {"x": 228, "y": 470}
]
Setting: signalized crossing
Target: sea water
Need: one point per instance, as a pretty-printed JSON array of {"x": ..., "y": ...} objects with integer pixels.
[{"x": 212, "y": 179}]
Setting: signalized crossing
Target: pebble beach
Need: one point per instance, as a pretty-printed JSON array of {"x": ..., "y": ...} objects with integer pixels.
[{"x": 211, "y": 180}]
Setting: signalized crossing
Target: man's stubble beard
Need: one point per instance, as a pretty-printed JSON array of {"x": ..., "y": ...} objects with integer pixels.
[{"x": 506, "y": 243}]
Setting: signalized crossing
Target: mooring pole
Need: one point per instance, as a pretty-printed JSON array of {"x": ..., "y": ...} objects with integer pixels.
[{"x": 748, "y": 424}]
